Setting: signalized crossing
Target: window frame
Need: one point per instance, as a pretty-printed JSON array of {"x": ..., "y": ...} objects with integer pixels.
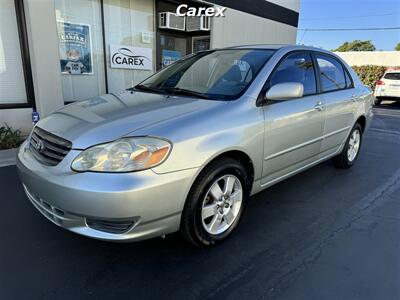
[
  {"x": 260, "y": 99},
  {"x": 267, "y": 85},
  {"x": 314, "y": 69},
  {"x": 26, "y": 60}
]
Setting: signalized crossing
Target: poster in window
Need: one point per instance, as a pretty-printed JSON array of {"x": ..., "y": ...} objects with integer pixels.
[
  {"x": 170, "y": 56},
  {"x": 75, "y": 46},
  {"x": 201, "y": 44}
]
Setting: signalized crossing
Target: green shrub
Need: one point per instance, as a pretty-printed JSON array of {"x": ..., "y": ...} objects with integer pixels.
[
  {"x": 369, "y": 74},
  {"x": 9, "y": 138}
]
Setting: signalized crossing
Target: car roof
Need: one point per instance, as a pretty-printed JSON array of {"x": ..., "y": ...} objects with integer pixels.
[
  {"x": 285, "y": 47},
  {"x": 277, "y": 46},
  {"x": 259, "y": 46}
]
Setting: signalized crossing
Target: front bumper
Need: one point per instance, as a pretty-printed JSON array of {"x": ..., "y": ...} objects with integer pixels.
[{"x": 152, "y": 203}]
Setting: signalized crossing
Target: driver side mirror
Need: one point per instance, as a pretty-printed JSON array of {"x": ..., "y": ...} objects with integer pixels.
[{"x": 285, "y": 91}]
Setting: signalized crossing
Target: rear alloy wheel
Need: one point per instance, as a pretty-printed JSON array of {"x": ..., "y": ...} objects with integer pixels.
[
  {"x": 354, "y": 145},
  {"x": 215, "y": 203},
  {"x": 351, "y": 149}
]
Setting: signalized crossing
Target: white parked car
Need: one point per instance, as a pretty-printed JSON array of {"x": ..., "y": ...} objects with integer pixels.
[{"x": 388, "y": 88}]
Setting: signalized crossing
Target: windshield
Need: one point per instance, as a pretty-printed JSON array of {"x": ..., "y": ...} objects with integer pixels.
[{"x": 219, "y": 74}]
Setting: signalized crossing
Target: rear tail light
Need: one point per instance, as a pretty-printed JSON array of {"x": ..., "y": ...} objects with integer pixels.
[{"x": 380, "y": 82}]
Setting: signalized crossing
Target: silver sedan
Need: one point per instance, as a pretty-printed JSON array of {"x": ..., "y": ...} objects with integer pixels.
[{"x": 186, "y": 148}]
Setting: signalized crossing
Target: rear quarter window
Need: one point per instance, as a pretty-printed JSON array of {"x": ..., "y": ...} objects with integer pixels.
[{"x": 349, "y": 81}]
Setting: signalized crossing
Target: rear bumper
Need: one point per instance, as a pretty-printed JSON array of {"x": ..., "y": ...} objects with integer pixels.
[
  {"x": 392, "y": 98},
  {"x": 152, "y": 203},
  {"x": 385, "y": 93}
]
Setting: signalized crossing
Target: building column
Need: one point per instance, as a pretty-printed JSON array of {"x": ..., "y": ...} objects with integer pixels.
[{"x": 43, "y": 47}]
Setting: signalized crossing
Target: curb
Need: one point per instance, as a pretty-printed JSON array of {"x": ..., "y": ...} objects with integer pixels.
[{"x": 8, "y": 157}]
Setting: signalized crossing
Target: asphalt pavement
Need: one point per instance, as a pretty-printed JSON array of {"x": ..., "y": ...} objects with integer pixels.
[{"x": 323, "y": 234}]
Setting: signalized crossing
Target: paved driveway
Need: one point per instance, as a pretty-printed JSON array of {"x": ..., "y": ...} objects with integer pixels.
[{"x": 323, "y": 234}]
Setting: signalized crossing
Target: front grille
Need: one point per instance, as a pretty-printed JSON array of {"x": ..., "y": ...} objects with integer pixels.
[
  {"x": 116, "y": 227},
  {"x": 47, "y": 147}
]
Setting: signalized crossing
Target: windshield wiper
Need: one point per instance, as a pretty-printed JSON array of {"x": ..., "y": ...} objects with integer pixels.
[
  {"x": 180, "y": 91},
  {"x": 142, "y": 87}
]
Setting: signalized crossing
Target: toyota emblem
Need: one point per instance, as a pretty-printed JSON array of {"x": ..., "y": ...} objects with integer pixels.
[{"x": 39, "y": 146}]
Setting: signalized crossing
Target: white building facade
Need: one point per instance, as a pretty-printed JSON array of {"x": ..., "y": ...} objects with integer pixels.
[
  {"x": 53, "y": 52},
  {"x": 375, "y": 58}
]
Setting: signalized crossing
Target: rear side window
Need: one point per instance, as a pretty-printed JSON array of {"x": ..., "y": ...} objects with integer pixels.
[
  {"x": 331, "y": 73},
  {"x": 296, "y": 67},
  {"x": 392, "y": 76}
]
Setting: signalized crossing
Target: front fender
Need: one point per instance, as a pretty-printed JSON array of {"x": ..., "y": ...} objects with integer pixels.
[{"x": 199, "y": 140}]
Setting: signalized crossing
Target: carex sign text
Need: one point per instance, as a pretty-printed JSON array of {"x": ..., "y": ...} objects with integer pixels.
[
  {"x": 186, "y": 10},
  {"x": 126, "y": 57}
]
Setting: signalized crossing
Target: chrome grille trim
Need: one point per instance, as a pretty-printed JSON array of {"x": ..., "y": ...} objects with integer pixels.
[{"x": 51, "y": 150}]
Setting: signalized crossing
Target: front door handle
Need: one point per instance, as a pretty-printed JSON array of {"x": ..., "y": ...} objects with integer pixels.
[{"x": 319, "y": 106}]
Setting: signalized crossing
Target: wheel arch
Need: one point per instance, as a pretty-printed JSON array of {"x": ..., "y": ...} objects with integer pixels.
[
  {"x": 242, "y": 157},
  {"x": 237, "y": 154},
  {"x": 362, "y": 120}
]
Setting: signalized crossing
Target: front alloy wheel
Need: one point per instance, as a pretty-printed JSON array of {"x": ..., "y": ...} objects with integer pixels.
[
  {"x": 216, "y": 202},
  {"x": 221, "y": 205}
]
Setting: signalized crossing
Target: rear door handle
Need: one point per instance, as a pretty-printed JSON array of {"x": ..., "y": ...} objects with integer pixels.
[
  {"x": 319, "y": 106},
  {"x": 353, "y": 98}
]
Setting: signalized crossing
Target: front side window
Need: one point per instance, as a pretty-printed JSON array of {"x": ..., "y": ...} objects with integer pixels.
[
  {"x": 331, "y": 73},
  {"x": 297, "y": 67},
  {"x": 220, "y": 74}
]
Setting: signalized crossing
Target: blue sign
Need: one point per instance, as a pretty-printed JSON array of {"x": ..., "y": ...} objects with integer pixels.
[
  {"x": 75, "y": 48},
  {"x": 170, "y": 56}
]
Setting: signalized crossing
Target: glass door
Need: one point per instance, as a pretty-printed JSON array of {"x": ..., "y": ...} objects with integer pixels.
[{"x": 79, "y": 27}]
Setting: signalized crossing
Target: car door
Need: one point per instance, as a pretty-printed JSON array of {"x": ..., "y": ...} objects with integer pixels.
[
  {"x": 340, "y": 99},
  {"x": 293, "y": 128}
]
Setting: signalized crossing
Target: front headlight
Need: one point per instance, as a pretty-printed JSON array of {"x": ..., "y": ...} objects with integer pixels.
[{"x": 123, "y": 155}]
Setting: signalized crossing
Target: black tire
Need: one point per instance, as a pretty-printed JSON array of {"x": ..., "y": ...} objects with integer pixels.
[
  {"x": 342, "y": 161},
  {"x": 192, "y": 227}
]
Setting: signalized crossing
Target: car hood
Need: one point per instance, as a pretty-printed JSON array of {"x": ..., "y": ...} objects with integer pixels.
[{"x": 109, "y": 117}]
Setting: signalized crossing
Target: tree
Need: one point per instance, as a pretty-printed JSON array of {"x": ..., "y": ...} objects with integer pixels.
[
  {"x": 397, "y": 47},
  {"x": 356, "y": 45}
]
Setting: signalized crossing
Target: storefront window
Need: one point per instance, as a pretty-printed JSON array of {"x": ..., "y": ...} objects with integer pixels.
[
  {"x": 129, "y": 35},
  {"x": 12, "y": 84},
  {"x": 172, "y": 48},
  {"x": 80, "y": 48}
]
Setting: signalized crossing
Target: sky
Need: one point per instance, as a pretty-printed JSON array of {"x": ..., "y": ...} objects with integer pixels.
[{"x": 349, "y": 14}]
